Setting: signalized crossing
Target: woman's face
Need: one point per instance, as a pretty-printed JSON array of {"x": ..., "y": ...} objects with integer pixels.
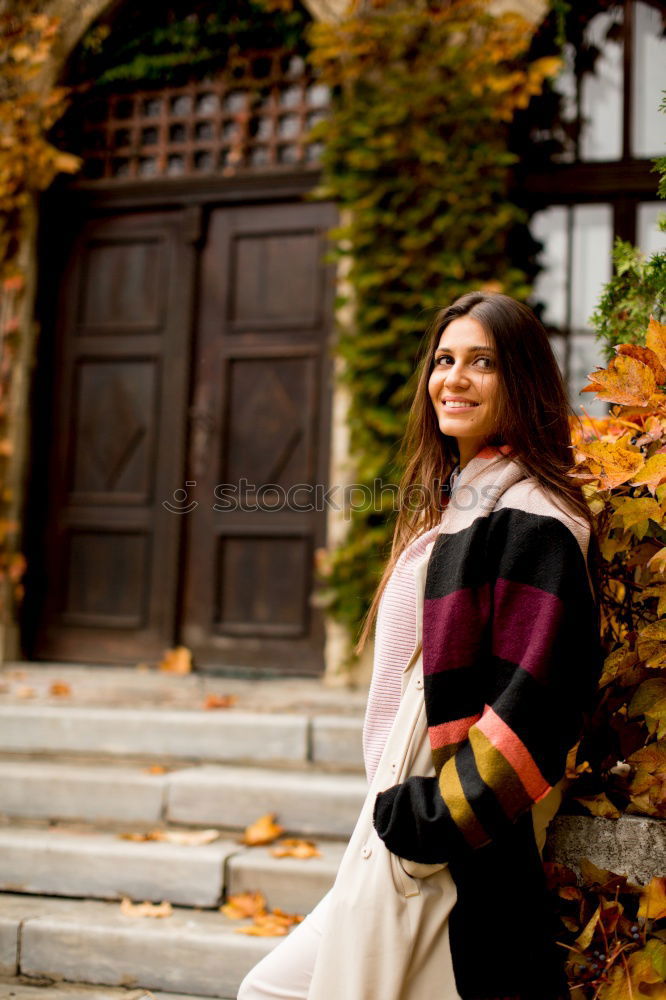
[{"x": 464, "y": 369}]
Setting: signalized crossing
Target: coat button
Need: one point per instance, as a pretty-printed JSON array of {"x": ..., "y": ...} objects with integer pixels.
[
  {"x": 366, "y": 851},
  {"x": 419, "y": 683},
  {"x": 394, "y": 767}
]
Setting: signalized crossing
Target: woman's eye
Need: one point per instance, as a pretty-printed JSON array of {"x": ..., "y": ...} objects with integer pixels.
[{"x": 480, "y": 357}]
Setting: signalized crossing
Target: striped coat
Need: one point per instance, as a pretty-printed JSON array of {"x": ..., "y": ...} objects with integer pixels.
[{"x": 511, "y": 660}]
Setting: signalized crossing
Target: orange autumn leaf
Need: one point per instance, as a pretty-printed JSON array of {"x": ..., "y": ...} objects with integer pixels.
[
  {"x": 275, "y": 923},
  {"x": 292, "y": 847},
  {"x": 60, "y": 688},
  {"x": 220, "y": 700},
  {"x": 185, "y": 838},
  {"x": 611, "y": 463},
  {"x": 243, "y": 905},
  {"x": 626, "y": 380},
  {"x": 263, "y": 831},
  {"x": 155, "y": 769},
  {"x": 177, "y": 660},
  {"x": 647, "y": 357}
]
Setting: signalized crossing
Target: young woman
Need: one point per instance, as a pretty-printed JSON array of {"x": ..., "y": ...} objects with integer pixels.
[{"x": 487, "y": 655}]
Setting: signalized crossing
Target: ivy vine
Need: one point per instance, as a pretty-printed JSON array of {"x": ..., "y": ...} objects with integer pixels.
[{"x": 419, "y": 155}]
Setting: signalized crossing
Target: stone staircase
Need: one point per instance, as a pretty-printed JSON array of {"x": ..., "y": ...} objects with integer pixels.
[{"x": 79, "y": 770}]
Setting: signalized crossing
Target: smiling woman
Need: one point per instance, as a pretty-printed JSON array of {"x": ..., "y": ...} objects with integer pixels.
[{"x": 487, "y": 657}]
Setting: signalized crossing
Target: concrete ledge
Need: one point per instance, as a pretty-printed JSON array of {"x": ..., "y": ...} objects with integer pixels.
[
  {"x": 50, "y": 790},
  {"x": 179, "y": 733},
  {"x": 105, "y": 866},
  {"x": 337, "y": 739},
  {"x": 327, "y": 804},
  {"x": 93, "y": 942},
  {"x": 632, "y": 845},
  {"x": 21, "y": 990}
]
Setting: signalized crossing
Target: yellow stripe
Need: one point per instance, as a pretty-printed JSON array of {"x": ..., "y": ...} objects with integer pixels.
[
  {"x": 461, "y": 811},
  {"x": 496, "y": 772}
]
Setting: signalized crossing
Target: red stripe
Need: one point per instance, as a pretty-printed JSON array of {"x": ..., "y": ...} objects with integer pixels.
[
  {"x": 451, "y": 732},
  {"x": 512, "y": 748}
]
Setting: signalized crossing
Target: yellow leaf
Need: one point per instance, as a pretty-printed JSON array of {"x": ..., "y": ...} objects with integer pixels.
[
  {"x": 600, "y": 805},
  {"x": 630, "y": 511},
  {"x": 653, "y": 472},
  {"x": 655, "y": 339},
  {"x": 653, "y": 900}
]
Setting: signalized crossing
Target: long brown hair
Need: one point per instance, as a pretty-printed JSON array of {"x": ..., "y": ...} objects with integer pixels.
[{"x": 532, "y": 417}]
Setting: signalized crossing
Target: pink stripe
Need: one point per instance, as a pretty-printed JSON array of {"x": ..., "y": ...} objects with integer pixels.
[
  {"x": 451, "y": 732},
  {"x": 514, "y": 750}
]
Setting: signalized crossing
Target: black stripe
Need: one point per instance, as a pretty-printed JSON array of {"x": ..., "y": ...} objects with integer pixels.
[
  {"x": 453, "y": 694},
  {"x": 505, "y": 543},
  {"x": 483, "y": 801}
]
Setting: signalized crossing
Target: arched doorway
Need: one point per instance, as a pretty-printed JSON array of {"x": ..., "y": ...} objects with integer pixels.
[{"x": 186, "y": 309}]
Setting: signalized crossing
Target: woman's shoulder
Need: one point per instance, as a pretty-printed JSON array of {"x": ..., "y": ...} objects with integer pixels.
[{"x": 532, "y": 502}]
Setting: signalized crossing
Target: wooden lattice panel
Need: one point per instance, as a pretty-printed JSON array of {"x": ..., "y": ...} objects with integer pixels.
[{"x": 256, "y": 116}]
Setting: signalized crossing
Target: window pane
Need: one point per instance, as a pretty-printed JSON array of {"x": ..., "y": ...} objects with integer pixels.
[
  {"x": 586, "y": 354},
  {"x": 550, "y": 287},
  {"x": 601, "y": 92},
  {"x": 649, "y": 123},
  {"x": 591, "y": 260},
  {"x": 650, "y": 238}
]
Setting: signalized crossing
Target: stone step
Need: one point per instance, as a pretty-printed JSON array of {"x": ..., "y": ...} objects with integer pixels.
[
  {"x": 21, "y": 989},
  {"x": 177, "y": 734},
  {"x": 101, "y": 865},
  {"x": 92, "y": 942},
  {"x": 311, "y": 804},
  {"x": 206, "y": 795}
]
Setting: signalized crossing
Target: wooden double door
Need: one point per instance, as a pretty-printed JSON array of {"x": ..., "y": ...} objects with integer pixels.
[{"x": 184, "y": 439}]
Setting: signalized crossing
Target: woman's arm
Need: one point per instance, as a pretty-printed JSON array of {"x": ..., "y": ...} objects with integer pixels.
[{"x": 540, "y": 673}]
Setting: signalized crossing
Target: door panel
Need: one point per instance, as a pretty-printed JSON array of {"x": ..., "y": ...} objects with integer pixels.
[
  {"x": 118, "y": 441},
  {"x": 261, "y": 408}
]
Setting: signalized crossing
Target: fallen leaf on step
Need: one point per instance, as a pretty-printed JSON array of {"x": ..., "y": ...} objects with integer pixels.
[
  {"x": 130, "y": 909},
  {"x": 292, "y": 847},
  {"x": 220, "y": 700},
  {"x": 188, "y": 838},
  {"x": 263, "y": 831},
  {"x": 25, "y": 691},
  {"x": 244, "y": 904},
  {"x": 273, "y": 924},
  {"x": 155, "y": 769},
  {"x": 177, "y": 660},
  {"x": 60, "y": 688}
]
